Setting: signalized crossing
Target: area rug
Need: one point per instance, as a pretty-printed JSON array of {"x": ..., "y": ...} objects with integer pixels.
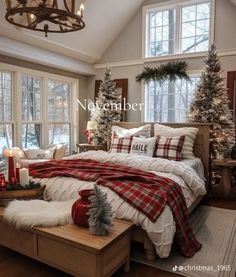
[{"x": 216, "y": 229}]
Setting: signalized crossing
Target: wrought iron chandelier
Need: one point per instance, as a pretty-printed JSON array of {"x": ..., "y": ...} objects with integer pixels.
[{"x": 48, "y": 16}]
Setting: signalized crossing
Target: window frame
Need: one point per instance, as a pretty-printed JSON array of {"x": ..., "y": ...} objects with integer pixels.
[
  {"x": 17, "y": 72},
  {"x": 13, "y": 116},
  {"x": 173, "y": 4},
  {"x": 192, "y": 74}
]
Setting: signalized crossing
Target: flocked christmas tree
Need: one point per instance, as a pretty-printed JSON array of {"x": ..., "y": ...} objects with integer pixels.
[
  {"x": 107, "y": 108},
  {"x": 210, "y": 105},
  {"x": 100, "y": 213}
]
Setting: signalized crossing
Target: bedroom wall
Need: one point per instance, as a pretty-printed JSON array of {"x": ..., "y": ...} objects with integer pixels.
[{"x": 124, "y": 55}]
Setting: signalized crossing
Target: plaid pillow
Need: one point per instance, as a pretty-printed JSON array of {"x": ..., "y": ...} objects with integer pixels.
[
  {"x": 169, "y": 148},
  {"x": 121, "y": 145}
]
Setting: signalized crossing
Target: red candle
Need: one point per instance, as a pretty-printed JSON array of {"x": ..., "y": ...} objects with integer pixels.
[
  {"x": 11, "y": 169},
  {"x": 17, "y": 172},
  {"x": 2, "y": 182}
]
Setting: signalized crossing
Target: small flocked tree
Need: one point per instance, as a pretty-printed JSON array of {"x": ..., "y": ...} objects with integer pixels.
[
  {"x": 210, "y": 105},
  {"x": 100, "y": 213},
  {"x": 107, "y": 108}
]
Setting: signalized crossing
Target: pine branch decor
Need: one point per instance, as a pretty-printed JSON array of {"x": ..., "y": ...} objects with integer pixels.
[
  {"x": 169, "y": 71},
  {"x": 100, "y": 213}
]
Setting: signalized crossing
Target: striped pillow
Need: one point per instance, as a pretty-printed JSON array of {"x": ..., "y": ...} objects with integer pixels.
[
  {"x": 121, "y": 145},
  {"x": 169, "y": 148}
]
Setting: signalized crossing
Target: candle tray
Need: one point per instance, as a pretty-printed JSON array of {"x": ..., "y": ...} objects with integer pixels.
[{"x": 22, "y": 194}]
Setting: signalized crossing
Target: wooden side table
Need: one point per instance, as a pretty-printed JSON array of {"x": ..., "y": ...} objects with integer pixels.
[
  {"x": 24, "y": 194},
  {"x": 84, "y": 147},
  {"x": 226, "y": 166}
]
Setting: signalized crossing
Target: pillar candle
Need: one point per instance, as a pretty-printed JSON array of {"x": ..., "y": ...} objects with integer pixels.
[
  {"x": 24, "y": 176},
  {"x": 18, "y": 172},
  {"x": 11, "y": 169},
  {"x": 2, "y": 182}
]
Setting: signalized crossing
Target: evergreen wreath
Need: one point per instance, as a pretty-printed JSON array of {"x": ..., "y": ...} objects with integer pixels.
[{"x": 169, "y": 71}]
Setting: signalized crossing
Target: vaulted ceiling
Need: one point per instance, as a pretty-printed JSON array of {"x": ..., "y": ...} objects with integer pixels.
[{"x": 104, "y": 21}]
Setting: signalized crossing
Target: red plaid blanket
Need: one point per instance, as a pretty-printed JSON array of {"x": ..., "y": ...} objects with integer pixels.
[{"x": 145, "y": 191}]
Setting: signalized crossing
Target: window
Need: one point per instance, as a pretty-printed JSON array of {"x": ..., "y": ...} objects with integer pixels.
[
  {"x": 177, "y": 29},
  {"x": 162, "y": 33},
  {"x": 31, "y": 112},
  {"x": 59, "y": 112},
  {"x": 6, "y": 122},
  {"x": 169, "y": 101},
  {"x": 36, "y": 109}
]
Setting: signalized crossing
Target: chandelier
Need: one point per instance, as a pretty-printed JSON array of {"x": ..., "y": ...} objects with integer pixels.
[{"x": 48, "y": 16}]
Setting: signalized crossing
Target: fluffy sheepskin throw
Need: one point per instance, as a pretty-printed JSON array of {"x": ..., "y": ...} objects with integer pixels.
[{"x": 38, "y": 213}]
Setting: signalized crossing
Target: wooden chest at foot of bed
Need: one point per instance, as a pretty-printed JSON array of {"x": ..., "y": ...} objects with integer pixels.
[{"x": 71, "y": 248}]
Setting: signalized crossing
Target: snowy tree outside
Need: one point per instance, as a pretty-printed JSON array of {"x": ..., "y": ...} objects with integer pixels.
[
  {"x": 58, "y": 109},
  {"x": 169, "y": 101},
  {"x": 192, "y": 29}
]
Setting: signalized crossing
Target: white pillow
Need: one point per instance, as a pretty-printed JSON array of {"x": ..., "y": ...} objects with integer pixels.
[
  {"x": 34, "y": 154},
  {"x": 143, "y": 131},
  {"x": 190, "y": 134},
  {"x": 143, "y": 146}
]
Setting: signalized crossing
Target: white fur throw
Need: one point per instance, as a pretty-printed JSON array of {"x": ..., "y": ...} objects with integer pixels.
[{"x": 36, "y": 213}]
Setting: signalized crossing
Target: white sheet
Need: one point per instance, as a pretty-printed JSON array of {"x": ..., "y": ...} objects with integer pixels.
[
  {"x": 160, "y": 232},
  {"x": 195, "y": 164}
]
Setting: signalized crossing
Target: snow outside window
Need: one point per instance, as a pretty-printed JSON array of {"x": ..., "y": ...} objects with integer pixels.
[
  {"x": 59, "y": 112},
  {"x": 169, "y": 101},
  {"x": 6, "y": 118},
  {"x": 178, "y": 28}
]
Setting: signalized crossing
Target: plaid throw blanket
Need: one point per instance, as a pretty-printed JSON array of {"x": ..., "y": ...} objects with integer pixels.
[{"x": 145, "y": 191}]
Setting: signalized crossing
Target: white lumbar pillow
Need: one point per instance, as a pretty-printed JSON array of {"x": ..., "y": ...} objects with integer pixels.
[
  {"x": 190, "y": 134},
  {"x": 143, "y": 146},
  {"x": 143, "y": 131},
  {"x": 33, "y": 154}
]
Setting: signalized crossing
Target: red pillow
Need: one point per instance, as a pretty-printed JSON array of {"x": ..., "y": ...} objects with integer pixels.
[
  {"x": 121, "y": 145},
  {"x": 169, "y": 148}
]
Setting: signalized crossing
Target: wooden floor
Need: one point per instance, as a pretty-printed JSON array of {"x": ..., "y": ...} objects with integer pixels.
[{"x": 13, "y": 264}]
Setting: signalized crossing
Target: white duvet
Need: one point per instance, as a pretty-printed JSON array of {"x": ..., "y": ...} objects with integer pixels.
[{"x": 160, "y": 232}]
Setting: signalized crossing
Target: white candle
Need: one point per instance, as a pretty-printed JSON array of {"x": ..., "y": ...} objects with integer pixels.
[{"x": 24, "y": 177}]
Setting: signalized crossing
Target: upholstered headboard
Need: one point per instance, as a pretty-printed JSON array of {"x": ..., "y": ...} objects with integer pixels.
[{"x": 201, "y": 145}]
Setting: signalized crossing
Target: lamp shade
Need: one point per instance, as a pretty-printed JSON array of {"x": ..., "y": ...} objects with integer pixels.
[
  {"x": 91, "y": 126},
  {"x": 7, "y": 153}
]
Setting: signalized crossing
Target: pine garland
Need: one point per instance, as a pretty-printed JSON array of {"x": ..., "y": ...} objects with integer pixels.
[
  {"x": 100, "y": 213},
  {"x": 169, "y": 71}
]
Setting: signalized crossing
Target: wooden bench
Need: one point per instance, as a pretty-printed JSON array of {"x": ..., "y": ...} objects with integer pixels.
[{"x": 72, "y": 249}]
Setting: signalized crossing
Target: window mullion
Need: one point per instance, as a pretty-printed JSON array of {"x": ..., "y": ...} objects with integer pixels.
[
  {"x": 17, "y": 115},
  {"x": 44, "y": 115},
  {"x": 178, "y": 28}
]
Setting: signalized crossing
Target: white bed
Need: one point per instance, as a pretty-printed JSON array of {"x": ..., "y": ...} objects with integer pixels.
[{"x": 189, "y": 174}]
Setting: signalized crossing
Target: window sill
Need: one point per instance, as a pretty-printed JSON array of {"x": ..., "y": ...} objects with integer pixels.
[{"x": 175, "y": 57}]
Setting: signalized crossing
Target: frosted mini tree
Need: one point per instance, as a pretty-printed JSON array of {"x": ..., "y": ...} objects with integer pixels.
[
  {"x": 107, "y": 108},
  {"x": 100, "y": 213},
  {"x": 210, "y": 105}
]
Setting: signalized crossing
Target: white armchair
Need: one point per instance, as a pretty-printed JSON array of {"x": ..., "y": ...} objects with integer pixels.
[{"x": 29, "y": 156}]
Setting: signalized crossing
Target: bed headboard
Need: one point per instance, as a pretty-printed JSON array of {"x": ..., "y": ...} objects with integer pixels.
[{"x": 201, "y": 145}]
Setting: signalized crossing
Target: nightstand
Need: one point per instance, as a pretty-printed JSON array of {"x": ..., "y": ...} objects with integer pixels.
[
  {"x": 226, "y": 166},
  {"x": 84, "y": 147}
]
